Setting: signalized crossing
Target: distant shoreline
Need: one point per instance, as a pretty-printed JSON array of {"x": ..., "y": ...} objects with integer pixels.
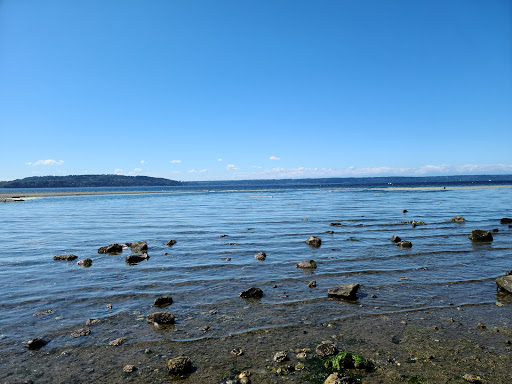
[{"x": 17, "y": 197}]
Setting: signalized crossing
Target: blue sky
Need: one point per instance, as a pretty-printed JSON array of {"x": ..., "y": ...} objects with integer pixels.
[{"x": 215, "y": 90}]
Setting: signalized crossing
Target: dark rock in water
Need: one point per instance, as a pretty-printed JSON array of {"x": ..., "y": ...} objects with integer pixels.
[
  {"x": 65, "y": 257},
  {"x": 506, "y": 220},
  {"x": 458, "y": 219},
  {"x": 139, "y": 247},
  {"x": 505, "y": 283},
  {"x": 81, "y": 332},
  {"x": 314, "y": 241},
  {"x": 251, "y": 293},
  {"x": 112, "y": 248},
  {"x": 495, "y": 230},
  {"x": 161, "y": 318},
  {"x": 260, "y": 256},
  {"x": 396, "y": 239},
  {"x": 480, "y": 235},
  {"x": 312, "y": 284},
  {"x": 36, "y": 343},
  {"x": 170, "y": 243},
  {"x": 325, "y": 350},
  {"x": 306, "y": 264},
  {"x": 179, "y": 366},
  {"x": 163, "y": 301},
  {"x": 134, "y": 259},
  {"x": 404, "y": 244},
  {"x": 405, "y": 211},
  {"x": 347, "y": 291},
  {"x": 334, "y": 224},
  {"x": 85, "y": 262},
  {"x": 330, "y": 232}
]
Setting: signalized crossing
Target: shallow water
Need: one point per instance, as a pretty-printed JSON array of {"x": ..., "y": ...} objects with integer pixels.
[{"x": 443, "y": 268}]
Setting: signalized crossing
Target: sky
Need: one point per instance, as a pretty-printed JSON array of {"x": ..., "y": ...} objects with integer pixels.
[{"x": 266, "y": 89}]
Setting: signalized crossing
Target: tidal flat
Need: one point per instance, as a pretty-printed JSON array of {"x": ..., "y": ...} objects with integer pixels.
[{"x": 425, "y": 313}]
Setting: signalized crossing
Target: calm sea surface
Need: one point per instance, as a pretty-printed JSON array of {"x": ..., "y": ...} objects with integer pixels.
[{"x": 204, "y": 272}]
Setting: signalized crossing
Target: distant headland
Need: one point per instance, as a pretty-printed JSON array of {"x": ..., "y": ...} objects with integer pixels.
[{"x": 84, "y": 181}]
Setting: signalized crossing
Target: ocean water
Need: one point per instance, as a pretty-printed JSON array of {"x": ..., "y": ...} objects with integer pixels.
[{"x": 204, "y": 272}]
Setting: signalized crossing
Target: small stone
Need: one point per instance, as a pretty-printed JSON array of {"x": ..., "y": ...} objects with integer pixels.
[
  {"x": 81, "y": 332},
  {"x": 347, "y": 291},
  {"x": 245, "y": 380},
  {"x": 314, "y": 241},
  {"x": 300, "y": 367},
  {"x": 280, "y": 357},
  {"x": 163, "y": 301},
  {"x": 499, "y": 304},
  {"x": 48, "y": 311},
  {"x": 472, "y": 379},
  {"x": 92, "y": 321},
  {"x": 65, "y": 257},
  {"x": 223, "y": 235},
  {"x": 301, "y": 355},
  {"x": 84, "y": 262},
  {"x": 312, "y": 284},
  {"x": 481, "y": 326},
  {"x": 237, "y": 352},
  {"x": 129, "y": 368},
  {"x": 244, "y": 374},
  {"x": 147, "y": 351},
  {"x": 404, "y": 244},
  {"x": 170, "y": 243},
  {"x": 306, "y": 264},
  {"x": 117, "y": 342},
  {"x": 260, "y": 256},
  {"x": 35, "y": 344},
  {"x": 109, "y": 306},
  {"x": 396, "y": 239},
  {"x": 330, "y": 232},
  {"x": 165, "y": 318},
  {"x": 335, "y": 224},
  {"x": 458, "y": 219},
  {"x": 179, "y": 366},
  {"x": 405, "y": 211},
  {"x": 326, "y": 350},
  {"x": 251, "y": 293}
]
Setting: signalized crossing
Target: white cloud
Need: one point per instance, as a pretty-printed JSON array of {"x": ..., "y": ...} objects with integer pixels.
[
  {"x": 203, "y": 170},
  {"x": 46, "y": 162},
  {"x": 232, "y": 167},
  {"x": 219, "y": 159},
  {"x": 192, "y": 171},
  {"x": 175, "y": 161},
  {"x": 137, "y": 169},
  {"x": 142, "y": 161},
  {"x": 274, "y": 158},
  {"x": 118, "y": 171}
]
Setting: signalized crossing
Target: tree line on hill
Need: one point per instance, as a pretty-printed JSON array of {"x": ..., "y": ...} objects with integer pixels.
[{"x": 83, "y": 181}]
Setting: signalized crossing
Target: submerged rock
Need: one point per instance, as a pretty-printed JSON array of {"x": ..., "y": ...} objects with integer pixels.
[
  {"x": 314, "y": 241},
  {"x": 170, "y": 243},
  {"x": 306, "y": 264},
  {"x": 117, "y": 342},
  {"x": 161, "y": 318},
  {"x": 506, "y": 220},
  {"x": 81, "y": 332},
  {"x": 347, "y": 291},
  {"x": 505, "y": 283},
  {"x": 179, "y": 366},
  {"x": 480, "y": 235},
  {"x": 458, "y": 219},
  {"x": 404, "y": 244},
  {"x": 312, "y": 284},
  {"x": 85, "y": 262},
  {"x": 334, "y": 224},
  {"x": 396, "y": 239},
  {"x": 251, "y": 293},
  {"x": 139, "y": 247},
  {"x": 112, "y": 248},
  {"x": 134, "y": 259},
  {"x": 326, "y": 349},
  {"x": 260, "y": 256},
  {"x": 65, "y": 257},
  {"x": 163, "y": 301},
  {"x": 35, "y": 344}
]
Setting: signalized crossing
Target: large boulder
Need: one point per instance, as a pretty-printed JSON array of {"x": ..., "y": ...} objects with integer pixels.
[
  {"x": 251, "y": 293},
  {"x": 506, "y": 220},
  {"x": 261, "y": 256},
  {"x": 480, "y": 235},
  {"x": 314, "y": 241},
  {"x": 306, "y": 264},
  {"x": 84, "y": 262},
  {"x": 111, "y": 248},
  {"x": 139, "y": 247},
  {"x": 505, "y": 283},
  {"x": 170, "y": 243},
  {"x": 158, "y": 318},
  {"x": 396, "y": 239},
  {"x": 163, "y": 301},
  {"x": 347, "y": 291},
  {"x": 65, "y": 257},
  {"x": 179, "y": 366},
  {"x": 134, "y": 259},
  {"x": 458, "y": 219}
]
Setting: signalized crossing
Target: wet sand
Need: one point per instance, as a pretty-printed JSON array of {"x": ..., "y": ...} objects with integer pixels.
[{"x": 444, "y": 345}]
